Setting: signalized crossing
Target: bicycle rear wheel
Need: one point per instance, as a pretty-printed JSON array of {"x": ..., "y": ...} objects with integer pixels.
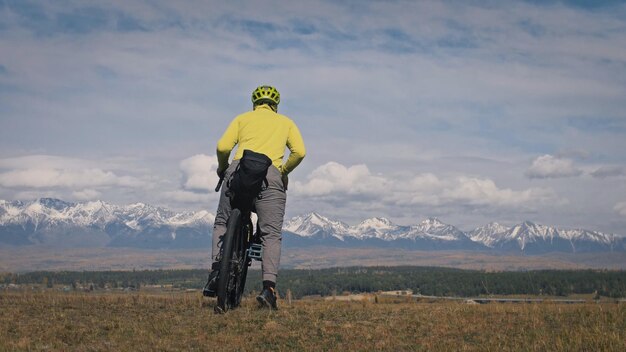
[
  {"x": 233, "y": 265},
  {"x": 243, "y": 261}
]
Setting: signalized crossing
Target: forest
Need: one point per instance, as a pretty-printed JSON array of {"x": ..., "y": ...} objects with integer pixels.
[{"x": 435, "y": 281}]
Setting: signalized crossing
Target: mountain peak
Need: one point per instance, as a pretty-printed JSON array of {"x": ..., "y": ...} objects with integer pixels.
[
  {"x": 314, "y": 224},
  {"x": 494, "y": 226},
  {"x": 95, "y": 206},
  {"x": 376, "y": 222},
  {"x": 489, "y": 234},
  {"x": 314, "y": 215},
  {"x": 432, "y": 221},
  {"x": 53, "y": 203},
  {"x": 317, "y": 219}
]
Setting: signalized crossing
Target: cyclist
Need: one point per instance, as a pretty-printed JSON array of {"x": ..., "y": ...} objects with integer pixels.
[{"x": 261, "y": 130}]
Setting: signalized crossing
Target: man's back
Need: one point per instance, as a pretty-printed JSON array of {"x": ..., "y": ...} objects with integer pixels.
[{"x": 263, "y": 131}]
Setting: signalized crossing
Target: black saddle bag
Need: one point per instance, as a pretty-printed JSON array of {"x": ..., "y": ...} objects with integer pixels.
[{"x": 249, "y": 179}]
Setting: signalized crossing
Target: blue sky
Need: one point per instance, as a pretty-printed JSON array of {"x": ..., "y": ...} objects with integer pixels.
[{"x": 468, "y": 111}]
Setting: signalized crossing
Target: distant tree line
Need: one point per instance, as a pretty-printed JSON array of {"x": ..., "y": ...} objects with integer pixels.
[
  {"x": 112, "y": 279},
  {"x": 454, "y": 282},
  {"x": 423, "y": 280}
]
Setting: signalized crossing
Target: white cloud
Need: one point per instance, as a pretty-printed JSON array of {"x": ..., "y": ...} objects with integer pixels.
[
  {"x": 186, "y": 197},
  {"x": 548, "y": 166},
  {"x": 620, "y": 208},
  {"x": 334, "y": 179},
  {"x": 35, "y": 176},
  {"x": 45, "y": 162},
  {"x": 421, "y": 189},
  {"x": 53, "y": 178},
  {"x": 428, "y": 189},
  {"x": 197, "y": 184},
  {"x": 481, "y": 191},
  {"x": 86, "y": 194},
  {"x": 609, "y": 171},
  {"x": 29, "y": 195},
  {"x": 199, "y": 173},
  {"x": 335, "y": 182}
]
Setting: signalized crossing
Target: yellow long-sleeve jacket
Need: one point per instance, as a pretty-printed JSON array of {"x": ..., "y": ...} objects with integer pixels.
[{"x": 263, "y": 131}]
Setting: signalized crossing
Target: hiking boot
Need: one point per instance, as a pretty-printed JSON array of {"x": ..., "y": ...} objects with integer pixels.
[{"x": 267, "y": 298}]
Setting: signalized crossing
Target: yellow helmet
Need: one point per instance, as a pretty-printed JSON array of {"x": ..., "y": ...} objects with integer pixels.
[{"x": 265, "y": 94}]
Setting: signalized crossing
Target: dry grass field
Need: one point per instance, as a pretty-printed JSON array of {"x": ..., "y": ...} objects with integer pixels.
[{"x": 185, "y": 322}]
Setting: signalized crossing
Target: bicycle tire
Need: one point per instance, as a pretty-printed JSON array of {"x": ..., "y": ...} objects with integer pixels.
[
  {"x": 224, "y": 278},
  {"x": 243, "y": 262}
]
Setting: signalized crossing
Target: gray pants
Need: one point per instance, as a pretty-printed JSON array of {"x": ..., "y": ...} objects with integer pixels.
[{"x": 270, "y": 210}]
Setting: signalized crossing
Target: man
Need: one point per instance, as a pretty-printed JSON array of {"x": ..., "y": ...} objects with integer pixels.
[{"x": 264, "y": 131}]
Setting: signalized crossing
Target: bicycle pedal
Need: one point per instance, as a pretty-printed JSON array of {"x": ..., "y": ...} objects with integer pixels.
[{"x": 255, "y": 251}]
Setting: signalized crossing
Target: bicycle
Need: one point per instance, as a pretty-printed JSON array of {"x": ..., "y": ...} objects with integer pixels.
[{"x": 240, "y": 246}]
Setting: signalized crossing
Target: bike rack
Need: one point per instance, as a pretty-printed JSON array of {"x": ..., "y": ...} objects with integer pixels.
[{"x": 255, "y": 251}]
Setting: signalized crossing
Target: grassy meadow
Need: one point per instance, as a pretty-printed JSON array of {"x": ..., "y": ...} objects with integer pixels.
[{"x": 185, "y": 321}]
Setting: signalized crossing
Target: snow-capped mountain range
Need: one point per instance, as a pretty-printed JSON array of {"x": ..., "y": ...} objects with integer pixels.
[
  {"x": 431, "y": 233},
  {"x": 531, "y": 237},
  {"x": 428, "y": 234},
  {"x": 55, "y": 222}
]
